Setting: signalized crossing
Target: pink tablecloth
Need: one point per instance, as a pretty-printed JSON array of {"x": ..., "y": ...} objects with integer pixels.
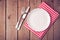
[{"x": 53, "y": 14}]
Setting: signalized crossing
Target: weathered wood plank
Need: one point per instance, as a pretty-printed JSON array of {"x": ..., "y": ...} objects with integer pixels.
[
  {"x": 49, "y": 35},
  {"x": 57, "y": 5},
  {"x": 57, "y": 23},
  {"x": 2, "y": 19},
  {"x": 23, "y": 33},
  {"x": 57, "y": 30},
  {"x": 34, "y": 4},
  {"x": 11, "y": 19}
]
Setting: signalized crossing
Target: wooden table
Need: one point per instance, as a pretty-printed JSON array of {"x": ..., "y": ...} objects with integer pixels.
[{"x": 10, "y": 10}]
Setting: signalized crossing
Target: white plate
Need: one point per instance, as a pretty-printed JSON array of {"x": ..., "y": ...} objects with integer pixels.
[{"x": 38, "y": 19}]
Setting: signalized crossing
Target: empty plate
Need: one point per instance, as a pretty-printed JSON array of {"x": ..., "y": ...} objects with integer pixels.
[{"x": 38, "y": 19}]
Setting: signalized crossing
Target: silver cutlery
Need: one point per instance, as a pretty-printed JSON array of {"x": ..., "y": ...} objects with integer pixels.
[{"x": 22, "y": 18}]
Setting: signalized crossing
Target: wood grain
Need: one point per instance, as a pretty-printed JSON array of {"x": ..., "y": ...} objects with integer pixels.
[
  {"x": 10, "y": 11},
  {"x": 2, "y": 20},
  {"x": 34, "y": 4},
  {"x": 11, "y": 19},
  {"x": 23, "y": 33},
  {"x": 57, "y": 5},
  {"x": 57, "y": 30},
  {"x": 57, "y": 23}
]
